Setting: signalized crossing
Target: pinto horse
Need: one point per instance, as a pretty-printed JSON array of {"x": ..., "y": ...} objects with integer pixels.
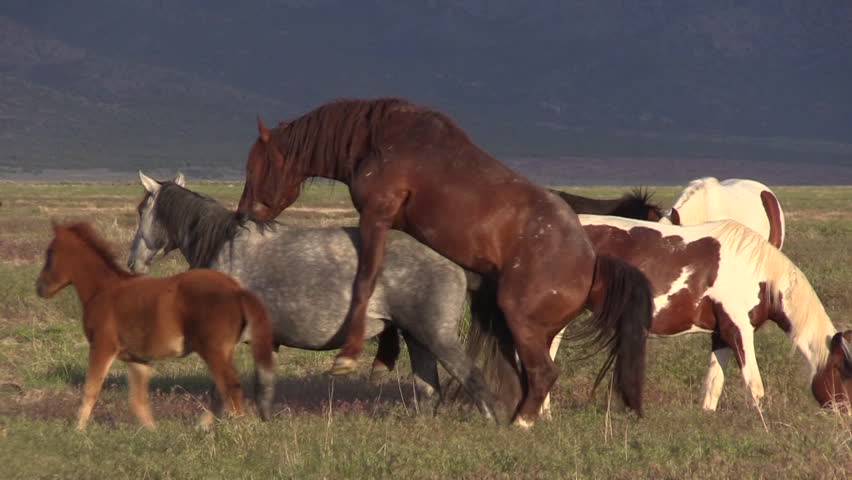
[
  {"x": 139, "y": 320},
  {"x": 722, "y": 278},
  {"x": 636, "y": 204},
  {"x": 413, "y": 169},
  {"x": 751, "y": 203}
]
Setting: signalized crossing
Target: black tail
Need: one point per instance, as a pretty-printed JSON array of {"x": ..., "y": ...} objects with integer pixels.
[
  {"x": 490, "y": 338},
  {"x": 622, "y": 301}
]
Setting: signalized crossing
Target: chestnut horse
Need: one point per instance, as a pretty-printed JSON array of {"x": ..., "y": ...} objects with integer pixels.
[
  {"x": 751, "y": 203},
  {"x": 139, "y": 320},
  {"x": 722, "y": 278},
  {"x": 636, "y": 204},
  {"x": 413, "y": 169}
]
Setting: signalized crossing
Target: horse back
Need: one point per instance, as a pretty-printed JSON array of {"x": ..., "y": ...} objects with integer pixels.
[
  {"x": 680, "y": 265},
  {"x": 153, "y": 318}
]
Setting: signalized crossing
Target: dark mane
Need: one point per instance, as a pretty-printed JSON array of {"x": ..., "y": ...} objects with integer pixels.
[
  {"x": 87, "y": 234},
  {"x": 635, "y": 204},
  {"x": 638, "y": 200},
  {"x": 329, "y": 140},
  {"x": 198, "y": 224}
]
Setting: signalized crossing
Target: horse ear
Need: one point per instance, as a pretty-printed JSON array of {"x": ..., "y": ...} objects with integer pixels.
[
  {"x": 180, "y": 179},
  {"x": 151, "y": 185},
  {"x": 674, "y": 217},
  {"x": 262, "y": 131}
]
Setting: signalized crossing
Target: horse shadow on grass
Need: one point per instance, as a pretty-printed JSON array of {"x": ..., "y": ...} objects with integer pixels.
[{"x": 182, "y": 396}]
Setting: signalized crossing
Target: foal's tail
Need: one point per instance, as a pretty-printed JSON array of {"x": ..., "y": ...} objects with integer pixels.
[
  {"x": 260, "y": 330},
  {"x": 621, "y": 299}
]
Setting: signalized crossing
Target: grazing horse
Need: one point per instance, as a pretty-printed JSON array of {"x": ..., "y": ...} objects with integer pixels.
[
  {"x": 304, "y": 276},
  {"x": 636, "y": 204},
  {"x": 723, "y": 279},
  {"x": 751, "y": 203},
  {"x": 413, "y": 169},
  {"x": 140, "y": 320}
]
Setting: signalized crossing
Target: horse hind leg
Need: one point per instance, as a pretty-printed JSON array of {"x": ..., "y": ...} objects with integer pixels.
[
  {"x": 221, "y": 366},
  {"x": 545, "y": 411},
  {"x": 446, "y": 349},
  {"x": 139, "y": 374},
  {"x": 424, "y": 367}
]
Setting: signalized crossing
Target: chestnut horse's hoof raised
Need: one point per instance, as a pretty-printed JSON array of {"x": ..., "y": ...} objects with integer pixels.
[{"x": 343, "y": 366}]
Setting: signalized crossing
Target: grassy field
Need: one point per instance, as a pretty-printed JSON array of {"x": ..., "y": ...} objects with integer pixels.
[{"x": 348, "y": 428}]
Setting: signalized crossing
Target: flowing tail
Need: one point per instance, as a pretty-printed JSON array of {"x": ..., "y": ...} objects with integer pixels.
[
  {"x": 260, "y": 331},
  {"x": 622, "y": 301}
]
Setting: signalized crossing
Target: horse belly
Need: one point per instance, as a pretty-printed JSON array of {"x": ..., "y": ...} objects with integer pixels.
[{"x": 155, "y": 347}]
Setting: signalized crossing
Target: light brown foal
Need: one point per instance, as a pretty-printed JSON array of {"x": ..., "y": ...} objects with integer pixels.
[{"x": 140, "y": 319}]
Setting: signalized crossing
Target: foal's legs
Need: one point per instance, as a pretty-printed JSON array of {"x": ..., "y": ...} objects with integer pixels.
[
  {"x": 139, "y": 374},
  {"x": 100, "y": 358},
  {"x": 220, "y": 363}
]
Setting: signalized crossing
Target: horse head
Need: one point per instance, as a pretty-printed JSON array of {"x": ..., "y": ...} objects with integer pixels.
[
  {"x": 270, "y": 185},
  {"x": 832, "y": 385},
  {"x": 150, "y": 238},
  {"x": 54, "y": 275}
]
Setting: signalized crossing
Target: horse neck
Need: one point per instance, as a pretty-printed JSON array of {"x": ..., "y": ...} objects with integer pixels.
[
  {"x": 810, "y": 327},
  {"x": 199, "y": 245},
  {"x": 91, "y": 274}
]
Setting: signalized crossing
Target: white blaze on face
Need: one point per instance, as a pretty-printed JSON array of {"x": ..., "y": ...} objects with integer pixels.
[{"x": 662, "y": 300}]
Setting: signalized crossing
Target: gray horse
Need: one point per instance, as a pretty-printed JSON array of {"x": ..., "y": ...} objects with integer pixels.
[{"x": 304, "y": 277}]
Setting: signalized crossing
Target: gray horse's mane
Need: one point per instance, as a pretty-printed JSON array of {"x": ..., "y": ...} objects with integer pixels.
[{"x": 198, "y": 224}]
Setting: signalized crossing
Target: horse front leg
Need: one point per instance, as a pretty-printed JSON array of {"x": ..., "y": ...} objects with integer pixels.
[
  {"x": 100, "y": 359},
  {"x": 376, "y": 220},
  {"x": 714, "y": 382},
  {"x": 739, "y": 336}
]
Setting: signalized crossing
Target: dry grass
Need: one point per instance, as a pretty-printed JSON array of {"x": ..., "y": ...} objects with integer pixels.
[{"x": 347, "y": 428}]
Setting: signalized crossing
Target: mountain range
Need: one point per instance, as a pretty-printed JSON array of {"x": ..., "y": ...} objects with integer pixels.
[{"x": 121, "y": 83}]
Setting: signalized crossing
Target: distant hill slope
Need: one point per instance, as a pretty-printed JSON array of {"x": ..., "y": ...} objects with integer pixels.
[{"x": 121, "y": 82}]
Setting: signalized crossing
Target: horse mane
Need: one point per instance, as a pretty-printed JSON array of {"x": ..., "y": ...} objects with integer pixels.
[
  {"x": 88, "y": 235},
  {"x": 199, "y": 223},
  {"x": 329, "y": 140},
  {"x": 690, "y": 190},
  {"x": 810, "y": 326},
  {"x": 638, "y": 200}
]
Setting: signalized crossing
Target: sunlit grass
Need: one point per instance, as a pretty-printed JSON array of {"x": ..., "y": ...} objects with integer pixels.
[{"x": 346, "y": 428}]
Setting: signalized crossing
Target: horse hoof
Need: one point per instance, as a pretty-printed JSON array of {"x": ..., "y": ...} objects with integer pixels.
[
  {"x": 343, "y": 366},
  {"x": 379, "y": 373},
  {"x": 521, "y": 423}
]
